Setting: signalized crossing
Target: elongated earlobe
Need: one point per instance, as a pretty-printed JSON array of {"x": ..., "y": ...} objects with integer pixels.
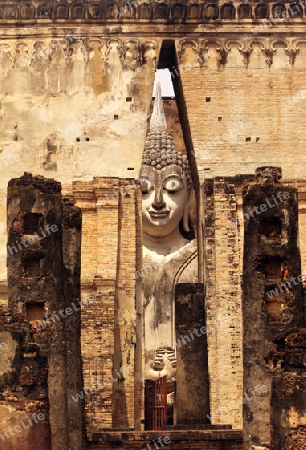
[{"x": 186, "y": 210}]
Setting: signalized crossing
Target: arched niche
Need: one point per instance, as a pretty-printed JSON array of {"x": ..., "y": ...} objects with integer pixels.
[
  {"x": 278, "y": 9},
  {"x": 127, "y": 11},
  {"x": 111, "y": 11},
  {"x": 295, "y": 10},
  {"x": 178, "y": 11},
  {"x": 244, "y": 11},
  {"x": 62, "y": 11},
  {"x": 10, "y": 12},
  {"x": 211, "y": 12},
  {"x": 261, "y": 11},
  {"x": 77, "y": 11},
  {"x": 44, "y": 12},
  {"x": 144, "y": 11},
  {"x": 194, "y": 12},
  {"x": 94, "y": 11},
  {"x": 228, "y": 11},
  {"x": 27, "y": 12},
  {"x": 161, "y": 11}
]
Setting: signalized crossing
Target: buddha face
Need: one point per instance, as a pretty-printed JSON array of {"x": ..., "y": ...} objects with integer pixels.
[{"x": 164, "y": 198}]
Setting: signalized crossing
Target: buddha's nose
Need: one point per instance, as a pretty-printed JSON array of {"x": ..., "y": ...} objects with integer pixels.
[{"x": 158, "y": 200}]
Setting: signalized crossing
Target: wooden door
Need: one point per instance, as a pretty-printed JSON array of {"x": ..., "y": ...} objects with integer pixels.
[{"x": 156, "y": 403}]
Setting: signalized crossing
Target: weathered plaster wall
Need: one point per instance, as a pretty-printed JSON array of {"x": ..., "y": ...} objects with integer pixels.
[{"x": 72, "y": 111}]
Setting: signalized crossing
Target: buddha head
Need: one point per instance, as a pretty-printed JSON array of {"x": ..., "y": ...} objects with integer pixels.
[{"x": 166, "y": 186}]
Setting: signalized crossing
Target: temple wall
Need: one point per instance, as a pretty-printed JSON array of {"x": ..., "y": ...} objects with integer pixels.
[
  {"x": 72, "y": 108},
  {"x": 232, "y": 100},
  {"x": 192, "y": 381},
  {"x": 41, "y": 328},
  {"x": 75, "y": 105},
  {"x": 179, "y": 440},
  {"x": 223, "y": 301},
  {"x": 246, "y": 108},
  {"x": 109, "y": 248},
  {"x": 71, "y": 95},
  {"x": 241, "y": 380},
  {"x": 270, "y": 307},
  {"x": 245, "y": 103}
]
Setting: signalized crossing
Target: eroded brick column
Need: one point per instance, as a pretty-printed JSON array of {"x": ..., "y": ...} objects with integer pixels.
[
  {"x": 35, "y": 278},
  {"x": 272, "y": 304},
  {"x": 43, "y": 277}
]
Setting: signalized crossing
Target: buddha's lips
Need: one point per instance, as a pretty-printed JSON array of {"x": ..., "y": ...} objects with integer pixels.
[{"x": 159, "y": 214}]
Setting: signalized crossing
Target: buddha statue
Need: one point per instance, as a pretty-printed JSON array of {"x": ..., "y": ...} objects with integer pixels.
[
  {"x": 167, "y": 191},
  {"x": 166, "y": 186}
]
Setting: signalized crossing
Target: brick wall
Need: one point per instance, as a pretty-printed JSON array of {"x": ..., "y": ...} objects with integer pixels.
[
  {"x": 223, "y": 301},
  {"x": 244, "y": 117},
  {"x": 109, "y": 248}
]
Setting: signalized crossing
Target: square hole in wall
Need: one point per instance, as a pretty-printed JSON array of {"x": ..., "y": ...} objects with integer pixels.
[
  {"x": 273, "y": 270},
  {"x": 219, "y": 119},
  {"x": 31, "y": 223},
  {"x": 32, "y": 268},
  {"x": 247, "y": 139},
  {"x": 128, "y": 99},
  {"x": 271, "y": 227},
  {"x": 116, "y": 117},
  {"x": 35, "y": 311},
  {"x": 207, "y": 99}
]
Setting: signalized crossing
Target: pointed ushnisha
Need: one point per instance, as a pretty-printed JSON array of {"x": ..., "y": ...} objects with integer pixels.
[
  {"x": 158, "y": 119},
  {"x": 159, "y": 148}
]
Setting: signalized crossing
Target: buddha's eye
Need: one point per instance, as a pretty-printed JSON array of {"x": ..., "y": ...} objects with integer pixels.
[
  {"x": 173, "y": 184},
  {"x": 145, "y": 185}
]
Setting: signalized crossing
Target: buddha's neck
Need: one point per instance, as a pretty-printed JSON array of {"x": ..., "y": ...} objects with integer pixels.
[{"x": 164, "y": 245}]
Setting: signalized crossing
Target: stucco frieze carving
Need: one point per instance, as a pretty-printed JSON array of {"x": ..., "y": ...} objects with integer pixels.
[
  {"x": 190, "y": 44},
  {"x": 144, "y": 10},
  {"x": 131, "y": 53},
  {"x": 268, "y": 46}
]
